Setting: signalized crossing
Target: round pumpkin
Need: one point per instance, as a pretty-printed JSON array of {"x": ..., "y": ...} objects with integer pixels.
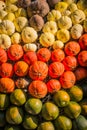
[
  {"x": 53, "y": 85},
  {"x": 6, "y": 85},
  {"x": 57, "y": 55},
  {"x": 67, "y": 79},
  {"x": 6, "y": 70},
  {"x": 80, "y": 73},
  {"x": 72, "y": 48},
  {"x": 38, "y": 70},
  {"x": 3, "y": 56},
  {"x": 56, "y": 69},
  {"x": 37, "y": 89},
  {"x": 15, "y": 52},
  {"x": 43, "y": 54},
  {"x": 70, "y": 63},
  {"x": 83, "y": 42},
  {"x": 30, "y": 57},
  {"x": 82, "y": 58},
  {"x": 21, "y": 68}
]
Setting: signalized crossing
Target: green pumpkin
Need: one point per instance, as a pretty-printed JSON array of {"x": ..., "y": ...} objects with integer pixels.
[
  {"x": 46, "y": 126},
  {"x": 81, "y": 122},
  {"x": 2, "y": 119},
  {"x": 63, "y": 123},
  {"x": 33, "y": 106},
  {"x": 12, "y": 127},
  {"x": 18, "y": 97},
  {"x": 83, "y": 105},
  {"x": 4, "y": 101},
  {"x": 14, "y": 115},
  {"x": 49, "y": 111},
  {"x": 30, "y": 122},
  {"x": 73, "y": 110}
]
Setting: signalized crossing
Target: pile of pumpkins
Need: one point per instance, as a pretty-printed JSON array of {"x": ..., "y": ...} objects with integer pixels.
[{"x": 43, "y": 65}]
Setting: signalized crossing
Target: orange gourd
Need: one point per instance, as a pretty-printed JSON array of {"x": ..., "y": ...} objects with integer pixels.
[
  {"x": 38, "y": 70},
  {"x": 83, "y": 41},
  {"x": 53, "y": 85},
  {"x": 15, "y": 52},
  {"x": 43, "y": 54},
  {"x": 57, "y": 55},
  {"x": 37, "y": 89},
  {"x": 6, "y": 70},
  {"x": 3, "y": 56},
  {"x": 56, "y": 69},
  {"x": 6, "y": 85},
  {"x": 67, "y": 80},
  {"x": 72, "y": 48},
  {"x": 82, "y": 58},
  {"x": 21, "y": 68}
]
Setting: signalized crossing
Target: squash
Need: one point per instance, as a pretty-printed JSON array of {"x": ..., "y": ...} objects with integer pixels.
[
  {"x": 83, "y": 42},
  {"x": 3, "y": 56},
  {"x": 21, "y": 83},
  {"x": 82, "y": 58},
  {"x": 47, "y": 125}
]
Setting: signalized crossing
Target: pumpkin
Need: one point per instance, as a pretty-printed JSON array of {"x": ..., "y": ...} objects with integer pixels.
[
  {"x": 70, "y": 63},
  {"x": 56, "y": 69},
  {"x": 57, "y": 55},
  {"x": 37, "y": 89},
  {"x": 21, "y": 68},
  {"x": 3, "y": 56},
  {"x": 72, "y": 48},
  {"x": 83, "y": 42},
  {"x": 30, "y": 57},
  {"x": 82, "y": 58},
  {"x": 38, "y": 70},
  {"x": 6, "y": 70},
  {"x": 53, "y": 85},
  {"x": 43, "y": 54},
  {"x": 15, "y": 52},
  {"x": 67, "y": 79},
  {"x": 6, "y": 85},
  {"x": 21, "y": 83},
  {"x": 80, "y": 73}
]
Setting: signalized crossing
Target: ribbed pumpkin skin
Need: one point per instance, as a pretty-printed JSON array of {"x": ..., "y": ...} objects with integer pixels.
[
  {"x": 56, "y": 69},
  {"x": 38, "y": 70},
  {"x": 82, "y": 58},
  {"x": 15, "y": 52},
  {"x": 37, "y": 89},
  {"x": 6, "y": 85},
  {"x": 3, "y": 56},
  {"x": 67, "y": 80},
  {"x": 72, "y": 48},
  {"x": 21, "y": 68},
  {"x": 6, "y": 70},
  {"x": 83, "y": 42}
]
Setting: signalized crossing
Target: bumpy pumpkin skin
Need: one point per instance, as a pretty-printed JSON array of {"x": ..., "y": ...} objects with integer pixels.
[
  {"x": 83, "y": 42},
  {"x": 15, "y": 52},
  {"x": 67, "y": 80},
  {"x": 21, "y": 68},
  {"x": 56, "y": 69},
  {"x": 82, "y": 58},
  {"x": 38, "y": 70},
  {"x": 6, "y": 70},
  {"x": 44, "y": 54},
  {"x": 6, "y": 85},
  {"x": 37, "y": 89},
  {"x": 3, "y": 56}
]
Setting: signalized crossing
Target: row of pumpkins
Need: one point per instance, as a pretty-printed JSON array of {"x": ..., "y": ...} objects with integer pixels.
[{"x": 44, "y": 89}]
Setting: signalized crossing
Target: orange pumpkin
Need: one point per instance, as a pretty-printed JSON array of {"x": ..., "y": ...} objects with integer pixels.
[
  {"x": 70, "y": 63},
  {"x": 38, "y": 70},
  {"x": 82, "y": 58},
  {"x": 37, "y": 89},
  {"x": 3, "y": 56},
  {"x": 80, "y": 73},
  {"x": 83, "y": 42},
  {"x": 6, "y": 85},
  {"x": 30, "y": 57},
  {"x": 15, "y": 52},
  {"x": 21, "y": 68},
  {"x": 68, "y": 79},
  {"x": 56, "y": 69},
  {"x": 53, "y": 85},
  {"x": 43, "y": 54},
  {"x": 57, "y": 55},
  {"x": 72, "y": 48},
  {"x": 6, "y": 70}
]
